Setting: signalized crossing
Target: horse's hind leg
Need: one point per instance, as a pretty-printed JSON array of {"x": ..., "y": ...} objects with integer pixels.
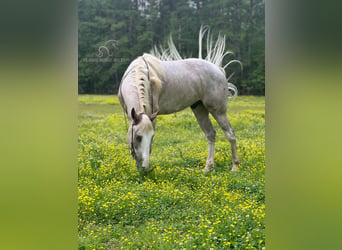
[
  {"x": 228, "y": 130},
  {"x": 202, "y": 116}
]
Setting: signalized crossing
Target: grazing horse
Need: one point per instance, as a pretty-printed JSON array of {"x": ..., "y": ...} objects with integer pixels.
[{"x": 152, "y": 87}]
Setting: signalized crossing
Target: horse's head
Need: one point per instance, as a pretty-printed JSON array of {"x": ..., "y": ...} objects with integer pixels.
[{"x": 140, "y": 136}]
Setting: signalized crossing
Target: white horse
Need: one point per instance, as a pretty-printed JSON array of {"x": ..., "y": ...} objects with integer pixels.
[{"x": 152, "y": 87}]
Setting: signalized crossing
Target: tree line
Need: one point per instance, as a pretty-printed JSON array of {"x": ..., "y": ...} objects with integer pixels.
[{"x": 112, "y": 33}]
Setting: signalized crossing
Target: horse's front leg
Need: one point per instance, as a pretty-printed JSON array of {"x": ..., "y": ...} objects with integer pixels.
[{"x": 202, "y": 116}]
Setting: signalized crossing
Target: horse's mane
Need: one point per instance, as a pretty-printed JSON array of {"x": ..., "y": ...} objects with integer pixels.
[
  {"x": 215, "y": 53},
  {"x": 147, "y": 75}
]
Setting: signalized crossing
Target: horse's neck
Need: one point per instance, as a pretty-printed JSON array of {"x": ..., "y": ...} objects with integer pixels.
[{"x": 130, "y": 98}]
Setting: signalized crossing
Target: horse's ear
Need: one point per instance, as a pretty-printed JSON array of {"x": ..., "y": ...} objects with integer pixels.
[
  {"x": 153, "y": 116},
  {"x": 136, "y": 118}
]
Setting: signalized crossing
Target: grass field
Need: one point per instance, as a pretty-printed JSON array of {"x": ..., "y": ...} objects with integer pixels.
[{"x": 177, "y": 206}]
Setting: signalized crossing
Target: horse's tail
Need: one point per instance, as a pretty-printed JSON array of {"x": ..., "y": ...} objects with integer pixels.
[
  {"x": 232, "y": 90},
  {"x": 216, "y": 53}
]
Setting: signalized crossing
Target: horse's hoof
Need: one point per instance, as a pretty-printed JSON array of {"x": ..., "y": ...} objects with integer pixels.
[
  {"x": 235, "y": 168},
  {"x": 207, "y": 169}
]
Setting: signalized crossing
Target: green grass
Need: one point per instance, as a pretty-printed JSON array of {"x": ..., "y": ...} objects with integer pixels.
[{"x": 177, "y": 206}]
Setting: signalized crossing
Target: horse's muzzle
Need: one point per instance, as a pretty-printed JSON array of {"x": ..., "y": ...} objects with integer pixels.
[{"x": 143, "y": 167}]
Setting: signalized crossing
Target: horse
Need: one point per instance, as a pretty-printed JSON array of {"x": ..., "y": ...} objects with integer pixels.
[{"x": 151, "y": 87}]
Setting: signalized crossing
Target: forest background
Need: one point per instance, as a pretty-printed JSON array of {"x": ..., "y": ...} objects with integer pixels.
[{"x": 112, "y": 33}]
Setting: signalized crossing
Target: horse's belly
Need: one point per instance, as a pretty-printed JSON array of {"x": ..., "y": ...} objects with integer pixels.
[{"x": 175, "y": 103}]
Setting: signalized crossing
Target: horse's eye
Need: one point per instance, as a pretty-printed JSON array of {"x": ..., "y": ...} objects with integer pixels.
[{"x": 139, "y": 138}]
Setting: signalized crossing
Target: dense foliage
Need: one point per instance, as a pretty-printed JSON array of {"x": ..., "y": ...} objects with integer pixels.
[
  {"x": 114, "y": 32},
  {"x": 177, "y": 206}
]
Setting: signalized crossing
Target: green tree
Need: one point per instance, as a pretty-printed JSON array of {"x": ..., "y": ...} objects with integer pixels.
[{"x": 137, "y": 25}]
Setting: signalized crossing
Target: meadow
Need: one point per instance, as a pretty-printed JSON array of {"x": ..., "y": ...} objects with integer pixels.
[{"x": 177, "y": 206}]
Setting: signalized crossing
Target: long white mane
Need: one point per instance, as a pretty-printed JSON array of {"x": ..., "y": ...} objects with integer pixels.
[
  {"x": 146, "y": 74},
  {"x": 215, "y": 53}
]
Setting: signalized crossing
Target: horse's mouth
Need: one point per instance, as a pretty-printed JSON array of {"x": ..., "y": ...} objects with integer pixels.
[{"x": 142, "y": 169}]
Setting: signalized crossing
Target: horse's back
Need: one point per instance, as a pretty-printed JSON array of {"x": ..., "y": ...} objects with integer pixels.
[{"x": 191, "y": 80}]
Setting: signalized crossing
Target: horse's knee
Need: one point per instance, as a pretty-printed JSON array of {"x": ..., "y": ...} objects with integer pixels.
[{"x": 230, "y": 136}]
